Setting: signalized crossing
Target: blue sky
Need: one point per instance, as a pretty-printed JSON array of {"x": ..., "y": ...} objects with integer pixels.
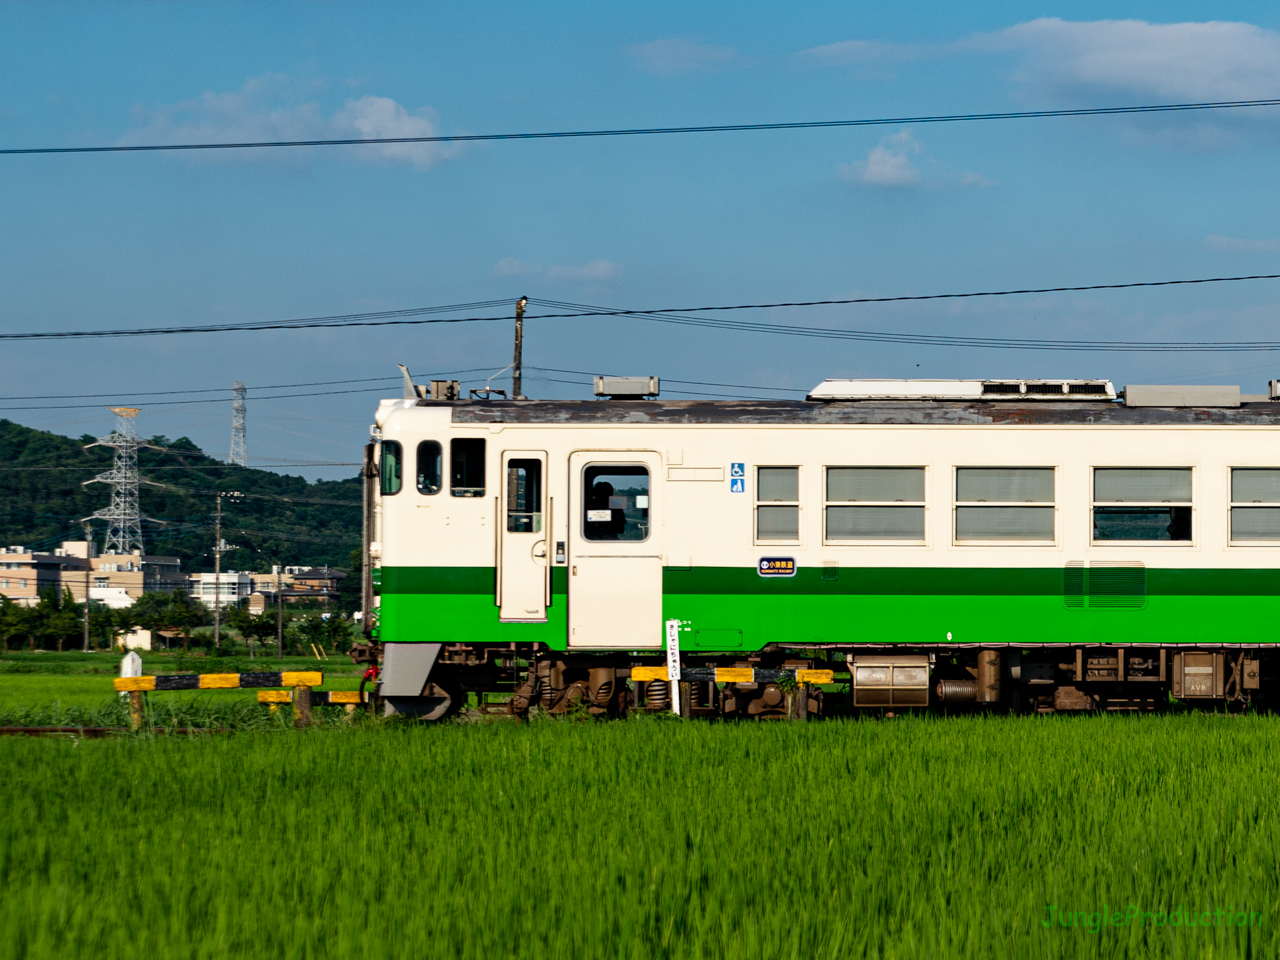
[{"x": 143, "y": 239}]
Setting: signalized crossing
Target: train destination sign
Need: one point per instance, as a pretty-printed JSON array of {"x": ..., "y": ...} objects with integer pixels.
[{"x": 777, "y": 567}]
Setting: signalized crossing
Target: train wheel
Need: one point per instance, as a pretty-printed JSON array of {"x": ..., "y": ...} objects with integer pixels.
[{"x": 441, "y": 702}]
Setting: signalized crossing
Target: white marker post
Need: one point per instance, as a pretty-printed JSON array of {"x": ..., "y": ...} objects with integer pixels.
[
  {"x": 130, "y": 666},
  {"x": 673, "y": 663}
]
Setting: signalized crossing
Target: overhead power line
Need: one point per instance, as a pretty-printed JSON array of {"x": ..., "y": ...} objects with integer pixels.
[
  {"x": 996, "y": 343},
  {"x": 652, "y": 131},
  {"x": 413, "y": 315}
]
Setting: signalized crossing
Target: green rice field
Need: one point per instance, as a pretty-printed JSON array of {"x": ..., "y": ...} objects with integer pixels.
[{"x": 650, "y": 838}]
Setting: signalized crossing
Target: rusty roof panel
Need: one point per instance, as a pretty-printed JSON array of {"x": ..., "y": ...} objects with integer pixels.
[{"x": 781, "y": 412}]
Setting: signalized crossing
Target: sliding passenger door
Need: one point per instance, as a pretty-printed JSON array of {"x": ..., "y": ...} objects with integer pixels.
[
  {"x": 524, "y": 573},
  {"x": 615, "y": 549}
]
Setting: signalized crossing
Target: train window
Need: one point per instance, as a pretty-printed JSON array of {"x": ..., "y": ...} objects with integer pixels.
[
  {"x": 430, "y": 467},
  {"x": 1142, "y": 503},
  {"x": 524, "y": 496},
  {"x": 1255, "y": 504},
  {"x": 390, "y": 468},
  {"x": 778, "y": 503},
  {"x": 466, "y": 467},
  {"x": 615, "y": 502},
  {"x": 1005, "y": 504},
  {"x": 875, "y": 503}
]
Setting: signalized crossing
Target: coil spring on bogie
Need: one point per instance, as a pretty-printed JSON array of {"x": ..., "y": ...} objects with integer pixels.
[
  {"x": 699, "y": 694},
  {"x": 658, "y": 694},
  {"x": 962, "y": 691},
  {"x": 604, "y": 693}
]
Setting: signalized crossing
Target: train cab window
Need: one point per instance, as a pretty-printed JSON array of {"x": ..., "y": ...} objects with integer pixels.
[
  {"x": 466, "y": 467},
  {"x": 615, "y": 502},
  {"x": 1142, "y": 503},
  {"x": 1005, "y": 504},
  {"x": 524, "y": 496},
  {"x": 875, "y": 503},
  {"x": 778, "y": 504},
  {"x": 1255, "y": 504},
  {"x": 430, "y": 467},
  {"x": 390, "y": 468}
]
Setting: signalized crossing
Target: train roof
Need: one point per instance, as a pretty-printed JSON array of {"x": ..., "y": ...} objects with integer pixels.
[
  {"x": 799, "y": 412},
  {"x": 889, "y": 402}
]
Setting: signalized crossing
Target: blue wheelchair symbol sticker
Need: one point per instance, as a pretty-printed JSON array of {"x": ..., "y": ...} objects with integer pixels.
[
  {"x": 737, "y": 470},
  {"x": 737, "y": 485}
]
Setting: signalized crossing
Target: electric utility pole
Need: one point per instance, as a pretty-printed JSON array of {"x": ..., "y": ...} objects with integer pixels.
[
  {"x": 217, "y": 576},
  {"x": 517, "y": 364},
  {"x": 279, "y": 615},
  {"x": 88, "y": 570},
  {"x": 218, "y": 547}
]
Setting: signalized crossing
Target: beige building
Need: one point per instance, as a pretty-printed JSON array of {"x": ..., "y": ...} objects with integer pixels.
[
  {"x": 24, "y": 573},
  {"x": 75, "y": 566}
]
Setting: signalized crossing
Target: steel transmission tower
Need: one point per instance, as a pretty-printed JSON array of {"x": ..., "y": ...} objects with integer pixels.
[
  {"x": 239, "y": 450},
  {"x": 124, "y": 518}
]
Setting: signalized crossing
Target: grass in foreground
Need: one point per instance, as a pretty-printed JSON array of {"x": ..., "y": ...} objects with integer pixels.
[{"x": 912, "y": 838}]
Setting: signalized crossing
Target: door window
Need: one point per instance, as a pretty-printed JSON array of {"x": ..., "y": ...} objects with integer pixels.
[
  {"x": 390, "y": 469},
  {"x": 466, "y": 467},
  {"x": 524, "y": 496},
  {"x": 615, "y": 502},
  {"x": 430, "y": 468}
]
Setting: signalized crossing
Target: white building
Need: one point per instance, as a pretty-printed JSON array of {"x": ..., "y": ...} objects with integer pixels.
[
  {"x": 117, "y": 598},
  {"x": 231, "y": 587}
]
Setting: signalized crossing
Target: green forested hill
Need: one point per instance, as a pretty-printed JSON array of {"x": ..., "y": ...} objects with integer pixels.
[{"x": 42, "y": 501}]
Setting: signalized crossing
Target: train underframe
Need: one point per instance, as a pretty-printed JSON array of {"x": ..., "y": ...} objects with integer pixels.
[{"x": 791, "y": 683}]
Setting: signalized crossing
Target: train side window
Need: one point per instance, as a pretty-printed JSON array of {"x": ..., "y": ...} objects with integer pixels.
[
  {"x": 1150, "y": 504},
  {"x": 615, "y": 502},
  {"x": 778, "y": 504},
  {"x": 466, "y": 467},
  {"x": 430, "y": 467},
  {"x": 390, "y": 468},
  {"x": 875, "y": 503},
  {"x": 1005, "y": 504},
  {"x": 524, "y": 496},
  {"x": 1255, "y": 504}
]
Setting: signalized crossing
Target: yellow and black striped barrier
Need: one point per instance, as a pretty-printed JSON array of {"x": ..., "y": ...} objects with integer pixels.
[
  {"x": 301, "y": 695},
  {"x": 220, "y": 681},
  {"x": 318, "y": 697}
]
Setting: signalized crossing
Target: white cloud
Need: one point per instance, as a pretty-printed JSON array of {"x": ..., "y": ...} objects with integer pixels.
[
  {"x": 971, "y": 179},
  {"x": 596, "y": 271},
  {"x": 675, "y": 55},
  {"x": 272, "y": 107},
  {"x": 888, "y": 164},
  {"x": 1215, "y": 60},
  {"x": 373, "y": 117},
  {"x": 1216, "y": 241},
  {"x": 1189, "y": 61}
]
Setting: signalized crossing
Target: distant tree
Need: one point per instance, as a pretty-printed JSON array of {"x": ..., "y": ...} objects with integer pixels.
[
  {"x": 251, "y": 626},
  {"x": 349, "y": 586}
]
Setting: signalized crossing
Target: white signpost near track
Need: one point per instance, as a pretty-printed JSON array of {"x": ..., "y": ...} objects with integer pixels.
[{"x": 673, "y": 663}]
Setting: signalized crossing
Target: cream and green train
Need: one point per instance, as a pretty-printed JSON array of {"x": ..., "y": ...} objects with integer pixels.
[{"x": 1042, "y": 545}]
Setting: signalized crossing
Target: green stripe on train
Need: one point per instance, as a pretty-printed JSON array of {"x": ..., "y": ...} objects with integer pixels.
[{"x": 735, "y": 609}]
